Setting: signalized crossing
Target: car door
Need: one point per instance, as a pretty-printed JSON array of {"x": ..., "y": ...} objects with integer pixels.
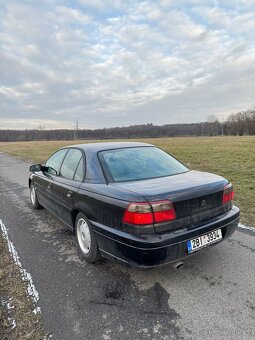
[
  {"x": 44, "y": 180},
  {"x": 67, "y": 183}
]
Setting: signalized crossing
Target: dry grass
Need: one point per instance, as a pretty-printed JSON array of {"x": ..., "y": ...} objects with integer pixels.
[
  {"x": 14, "y": 290},
  {"x": 231, "y": 157}
]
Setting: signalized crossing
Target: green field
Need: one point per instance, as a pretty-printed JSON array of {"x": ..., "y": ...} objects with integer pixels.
[{"x": 231, "y": 157}]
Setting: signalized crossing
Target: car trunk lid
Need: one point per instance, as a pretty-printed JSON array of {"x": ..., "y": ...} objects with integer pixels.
[
  {"x": 179, "y": 187},
  {"x": 196, "y": 196}
]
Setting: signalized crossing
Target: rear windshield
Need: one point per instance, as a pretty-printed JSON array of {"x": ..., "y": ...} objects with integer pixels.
[{"x": 138, "y": 163}]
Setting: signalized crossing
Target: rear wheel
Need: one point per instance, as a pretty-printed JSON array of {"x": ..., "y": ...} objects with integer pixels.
[
  {"x": 86, "y": 239},
  {"x": 33, "y": 198}
]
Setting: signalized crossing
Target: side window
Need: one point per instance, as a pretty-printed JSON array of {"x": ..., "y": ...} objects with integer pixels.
[
  {"x": 79, "y": 174},
  {"x": 55, "y": 160},
  {"x": 70, "y": 163}
]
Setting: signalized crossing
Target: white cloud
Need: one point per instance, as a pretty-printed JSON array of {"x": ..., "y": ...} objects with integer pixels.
[
  {"x": 107, "y": 63},
  {"x": 69, "y": 15}
]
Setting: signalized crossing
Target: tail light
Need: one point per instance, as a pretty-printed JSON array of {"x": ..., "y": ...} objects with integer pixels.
[
  {"x": 163, "y": 211},
  {"x": 228, "y": 193},
  {"x": 138, "y": 213},
  {"x": 149, "y": 213}
]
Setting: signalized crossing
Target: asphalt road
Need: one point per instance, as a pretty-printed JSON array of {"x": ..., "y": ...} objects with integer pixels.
[{"x": 212, "y": 296}]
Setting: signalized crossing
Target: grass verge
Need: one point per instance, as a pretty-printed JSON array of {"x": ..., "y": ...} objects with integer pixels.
[{"x": 17, "y": 319}]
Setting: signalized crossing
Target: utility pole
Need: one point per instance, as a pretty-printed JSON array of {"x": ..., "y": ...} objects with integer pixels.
[
  {"x": 75, "y": 131},
  {"x": 222, "y": 125}
]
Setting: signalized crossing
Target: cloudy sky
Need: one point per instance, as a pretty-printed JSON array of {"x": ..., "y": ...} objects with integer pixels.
[{"x": 114, "y": 63}]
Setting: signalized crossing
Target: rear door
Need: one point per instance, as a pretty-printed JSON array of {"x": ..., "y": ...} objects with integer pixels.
[
  {"x": 43, "y": 182},
  {"x": 67, "y": 183}
]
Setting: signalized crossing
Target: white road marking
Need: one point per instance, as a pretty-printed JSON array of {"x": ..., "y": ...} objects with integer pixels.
[{"x": 27, "y": 277}]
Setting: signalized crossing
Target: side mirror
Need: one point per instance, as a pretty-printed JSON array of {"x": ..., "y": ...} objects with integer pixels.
[
  {"x": 47, "y": 169},
  {"x": 35, "y": 168}
]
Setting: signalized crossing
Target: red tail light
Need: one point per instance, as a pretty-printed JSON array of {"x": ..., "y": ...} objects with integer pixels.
[
  {"x": 138, "y": 213},
  {"x": 149, "y": 213},
  {"x": 228, "y": 194},
  {"x": 163, "y": 211}
]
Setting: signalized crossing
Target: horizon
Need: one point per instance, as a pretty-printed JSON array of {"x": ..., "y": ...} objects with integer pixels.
[{"x": 42, "y": 128}]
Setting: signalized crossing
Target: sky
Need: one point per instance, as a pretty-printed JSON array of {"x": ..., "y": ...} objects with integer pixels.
[{"x": 117, "y": 63}]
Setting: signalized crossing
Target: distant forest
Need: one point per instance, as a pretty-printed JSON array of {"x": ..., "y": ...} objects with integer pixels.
[{"x": 237, "y": 124}]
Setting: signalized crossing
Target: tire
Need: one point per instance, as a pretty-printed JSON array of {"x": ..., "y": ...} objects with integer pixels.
[
  {"x": 86, "y": 239},
  {"x": 33, "y": 198}
]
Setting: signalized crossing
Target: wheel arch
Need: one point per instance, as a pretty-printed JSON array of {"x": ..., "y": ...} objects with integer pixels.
[{"x": 75, "y": 211}]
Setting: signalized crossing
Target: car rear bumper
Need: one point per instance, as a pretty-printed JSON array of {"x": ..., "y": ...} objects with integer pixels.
[{"x": 145, "y": 251}]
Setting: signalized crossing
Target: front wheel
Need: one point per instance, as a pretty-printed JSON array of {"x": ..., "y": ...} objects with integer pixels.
[
  {"x": 33, "y": 198},
  {"x": 86, "y": 239}
]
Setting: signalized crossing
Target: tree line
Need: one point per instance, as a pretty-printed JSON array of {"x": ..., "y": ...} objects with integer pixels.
[{"x": 236, "y": 124}]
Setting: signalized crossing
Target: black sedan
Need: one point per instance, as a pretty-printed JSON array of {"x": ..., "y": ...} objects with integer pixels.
[{"x": 133, "y": 202}]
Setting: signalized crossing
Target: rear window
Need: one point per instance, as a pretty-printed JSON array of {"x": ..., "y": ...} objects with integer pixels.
[{"x": 138, "y": 163}]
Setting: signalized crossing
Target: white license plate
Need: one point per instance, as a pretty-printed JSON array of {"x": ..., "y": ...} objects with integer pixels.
[{"x": 204, "y": 240}]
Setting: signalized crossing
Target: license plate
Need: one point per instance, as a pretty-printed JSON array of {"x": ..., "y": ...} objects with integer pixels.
[{"x": 204, "y": 240}]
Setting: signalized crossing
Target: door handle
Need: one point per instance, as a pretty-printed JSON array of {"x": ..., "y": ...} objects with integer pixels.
[{"x": 69, "y": 194}]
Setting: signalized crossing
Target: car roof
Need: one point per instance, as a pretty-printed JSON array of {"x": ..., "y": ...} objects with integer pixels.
[{"x": 96, "y": 147}]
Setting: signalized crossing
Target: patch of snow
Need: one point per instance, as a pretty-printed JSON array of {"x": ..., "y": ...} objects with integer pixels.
[
  {"x": 240, "y": 225},
  {"x": 37, "y": 310},
  {"x": 156, "y": 328},
  {"x": 143, "y": 330},
  {"x": 8, "y": 305},
  {"x": 12, "y": 322},
  {"x": 107, "y": 334}
]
